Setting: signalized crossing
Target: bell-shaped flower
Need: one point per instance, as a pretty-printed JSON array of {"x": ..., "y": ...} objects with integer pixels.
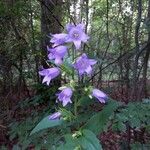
[
  {"x": 84, "y": 65},
  {"x": 58, "y": 39},
  {"x": 101, "y": 96},
  {"x": 76, "y": 34},
  {"x": 57, "y": 54},
  {"x": 49, "y": 74},
  {"x": 65, "y": 96},
  {"x": 55, "y": 115}
]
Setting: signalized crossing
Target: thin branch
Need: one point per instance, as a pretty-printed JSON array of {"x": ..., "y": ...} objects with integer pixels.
[
  {"x": 43, "y": 3},
  {"x": 126, "y": 55},
  {"x": 3, "y": 126}
]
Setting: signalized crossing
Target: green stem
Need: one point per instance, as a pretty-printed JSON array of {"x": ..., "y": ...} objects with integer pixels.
[
  {"x": 75, "y": 107},
  {"x": 73, "y": 58}
]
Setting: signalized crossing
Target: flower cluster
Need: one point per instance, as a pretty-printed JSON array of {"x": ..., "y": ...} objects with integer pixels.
[{"x": 82, "y": 64}]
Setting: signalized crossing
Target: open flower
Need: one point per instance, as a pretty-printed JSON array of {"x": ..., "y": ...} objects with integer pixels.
[
  {"x": 58, "y": 39},
  {"x": 55, "y": 115},
  {"x": 83, "y": 64},
  {"x": 101, "y": 96},
  {"x": 49, "y": 74},
  {"x": 57, "y": 53},
  {"x": 65, "y": 96},
  {"x": 76, "y": 34}
]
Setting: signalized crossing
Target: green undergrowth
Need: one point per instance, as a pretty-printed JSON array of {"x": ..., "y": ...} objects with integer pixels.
[{"x": 76, "y": 133}]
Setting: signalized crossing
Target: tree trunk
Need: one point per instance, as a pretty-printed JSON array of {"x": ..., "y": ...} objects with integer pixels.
[
  {"x": 146, "y": 58},
  {"x": 135, "y": 67},
  {"x": 51, "y": 16}
]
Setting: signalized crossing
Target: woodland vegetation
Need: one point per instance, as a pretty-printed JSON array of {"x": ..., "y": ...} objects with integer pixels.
[{"x": 119, "y": 32}]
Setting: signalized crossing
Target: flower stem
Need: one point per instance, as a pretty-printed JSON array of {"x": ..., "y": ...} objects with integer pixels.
[
  {"x": 75, "y": 107},
  {"x": 73, "y": 58}
]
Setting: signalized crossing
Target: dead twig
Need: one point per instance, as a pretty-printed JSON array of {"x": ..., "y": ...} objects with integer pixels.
[{"x": 3, "y": 126}]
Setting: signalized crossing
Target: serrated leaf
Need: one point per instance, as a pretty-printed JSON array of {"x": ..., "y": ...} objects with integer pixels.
[
  {"x": 87, "y": 141},
  {"x": 135, "y": 122},
  {"x": 70, "y": 143},
  {"x": 46, "y": 123},
  {"x": 85, "y": 101},
  {"x": 98, "y": 122},
  {"x": 119, "y": 126}
]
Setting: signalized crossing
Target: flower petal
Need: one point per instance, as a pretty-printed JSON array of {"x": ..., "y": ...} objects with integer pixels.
[
  {"x": 58, "y": 39},
  {"x": 55, "y": 115},
  {"x": 54, "y": 72},
  {"x": 101, "y": 96},
  {"x": 97, "y": 92},
  {"x": 50, "y": 56},
  {"x": 59, "y": 36},
  {"x": 101, "y": 100},
  {"x": 66, "y": 101},
  {"x": 43, "y": 72},
  {"x": 84, "y": 37},
  {"x": 81, "y": 72},
  {"x": 84, "y": 56},
  {"x": 81, "y": 26},
  {"x": 46, "y": 79},
  {"x": 58, "y": 61},
  {"x": 92, "y": 61},
  {"x": 77, "y": 44},
  {"x": 61, "y": 51},
  {"x": 69, "y": 27},
  {"x": 65, "y": 95},
  {"x": 89, "y": 70},
  {"x": 48, "y": 49}
]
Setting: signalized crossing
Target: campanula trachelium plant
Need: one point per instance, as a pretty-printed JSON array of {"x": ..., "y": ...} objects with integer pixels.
[{"x": 68, "y": 59}]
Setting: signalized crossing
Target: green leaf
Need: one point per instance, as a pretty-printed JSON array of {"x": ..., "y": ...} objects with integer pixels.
[
  {"x": 85, "y": 101},
  {"x": 46, "y": 123},
  {"x": 67, "y": 114},
  {"x": 119, "y": 126},
  {"x": 67, "y": 69},
  {"x": 139, "y": 146},
  {"x": 16, "y": 147},
  {"x": 70, "y": 143},
  {"x": 99, "y": 122},
  {"x": 87, "y": 141},
  {"x": 135, "y": 122}
]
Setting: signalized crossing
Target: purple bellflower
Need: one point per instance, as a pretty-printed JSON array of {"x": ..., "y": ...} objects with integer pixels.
[
  {"x": 55, "y": 115},
  {"x": 101, "y": 96},
  {"x": 76, "y": 34},
  {"x": 49, "y": 74},
  {"x": 83, "y": 64},
  {"x": 58, "y": 39},
  {"x": 57, "y": 53},
  {"x": 65, "y": 95}
]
